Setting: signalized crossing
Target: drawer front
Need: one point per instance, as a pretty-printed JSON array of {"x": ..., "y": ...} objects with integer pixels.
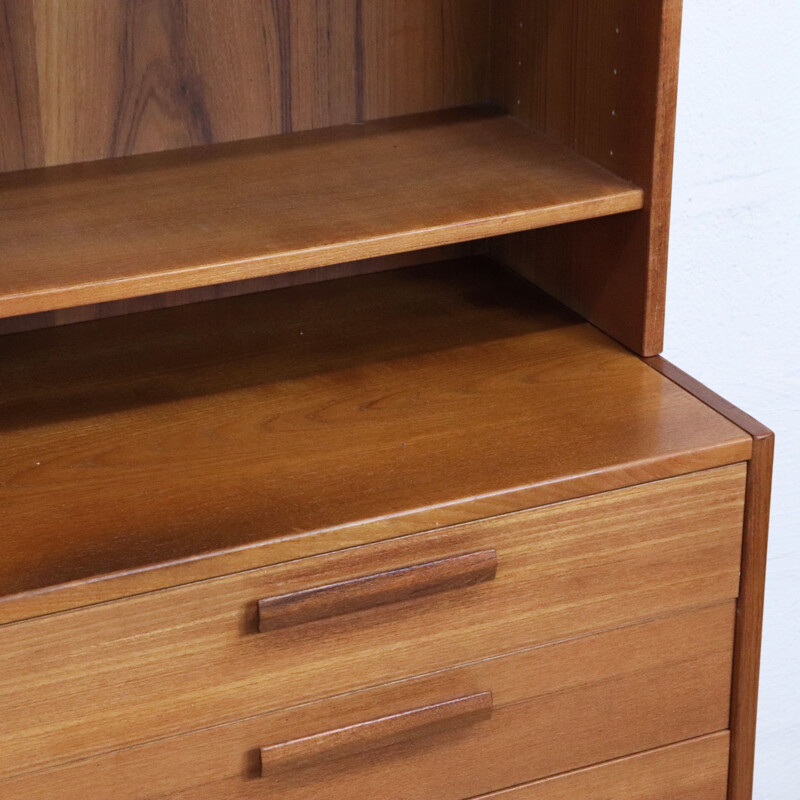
[
  {"x": 694, "y": 770},
  {"x": 452, "y": 735},
  {"x": 127, "y": 672}
]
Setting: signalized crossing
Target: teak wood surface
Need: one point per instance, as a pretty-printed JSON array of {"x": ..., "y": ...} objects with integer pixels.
[
  {"x": 374, "y": 734},
  {"x": 228, "y": 438},
  {"x": 91, "y": 79},
  {"x": 111, "y": 230},
  {"x": 601, "y": 77},
  {"x": 87, "y": 79},
  {"x": 750, "y": 610},
  {"x": 281, "y": 280},
  {"x": 213, "y": 437},
  {"x": 696, "y": 769},
  {"x": 556, "y": 708},
  {"x": 126, "y": 672},
  {"x": 371, "y": 591}
]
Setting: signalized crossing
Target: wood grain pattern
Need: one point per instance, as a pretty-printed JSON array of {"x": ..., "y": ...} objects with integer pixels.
[
  {"x": 137, "y": 305},
  {"x": 601, "y": 78},
  {"x": 20, "y": 117},
  {"x": 214, "y": 437},
  {"x": 169, "y": 662},
  {"x": 750, "y": 611},
  {"x": 697, "y": 769},
  {"x": 556, "y": 708},
  {"x": 107, "y": 231},
  {"x": 92, "y": 79},
  {"x": 363, "y": 737},
  {"x": 371, "y": 591},
  {"x": 89, "y": 79},
  {"x": 424, "y": 56}
]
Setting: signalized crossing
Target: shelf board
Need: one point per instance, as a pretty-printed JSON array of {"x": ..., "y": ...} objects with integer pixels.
[
  {"x": 150, "y": 224},
  {"x": 392, "y": 402}
]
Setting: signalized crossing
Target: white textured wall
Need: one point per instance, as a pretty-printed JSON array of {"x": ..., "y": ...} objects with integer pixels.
[{"x": 733, "y": 310}]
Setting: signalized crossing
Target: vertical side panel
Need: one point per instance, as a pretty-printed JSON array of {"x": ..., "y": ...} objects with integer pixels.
[
  {"x": 600, "y": 78},
  {"x": 750, "y": 605},
  {"x": 749, "y": 617}
]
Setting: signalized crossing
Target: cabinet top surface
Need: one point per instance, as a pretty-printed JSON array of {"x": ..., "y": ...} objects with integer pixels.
[{"x": 154, "y": 437}]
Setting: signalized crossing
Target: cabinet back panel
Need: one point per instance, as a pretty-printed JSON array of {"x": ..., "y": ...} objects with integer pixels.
[{"x": 89, "y": 79}]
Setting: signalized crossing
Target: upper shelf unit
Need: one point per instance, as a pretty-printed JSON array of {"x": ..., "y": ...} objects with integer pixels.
[
  {"x": 147, "y": 148},
  {"x": 157, "y": 223}
]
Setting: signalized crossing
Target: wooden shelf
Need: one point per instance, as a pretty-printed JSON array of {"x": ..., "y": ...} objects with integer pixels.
[
  {"x": 402, "y": 400},
  {"x": 150, "y": 224}
]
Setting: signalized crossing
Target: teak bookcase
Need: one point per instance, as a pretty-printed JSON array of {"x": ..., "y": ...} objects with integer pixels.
[{"x": 338, "y": 459}]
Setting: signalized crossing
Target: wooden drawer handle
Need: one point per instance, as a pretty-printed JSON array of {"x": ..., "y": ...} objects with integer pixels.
[
  {"x": 346, "y": 597},
  {"x": 365, "y": 736}
]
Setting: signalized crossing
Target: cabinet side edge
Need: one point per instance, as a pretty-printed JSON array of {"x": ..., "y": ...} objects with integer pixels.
[{"x": 750, "y": 607}]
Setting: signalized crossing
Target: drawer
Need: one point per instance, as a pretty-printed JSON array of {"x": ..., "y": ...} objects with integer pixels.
[
  {"x": 126, "y": 672},
  {"x": 451, "y": 735},
  {"x": 694, "y": 770}
]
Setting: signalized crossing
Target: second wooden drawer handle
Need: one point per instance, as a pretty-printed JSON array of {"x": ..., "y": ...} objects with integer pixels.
[
  {"x": 370, "y": 591},
  {"x": 365, "y": 736}
]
